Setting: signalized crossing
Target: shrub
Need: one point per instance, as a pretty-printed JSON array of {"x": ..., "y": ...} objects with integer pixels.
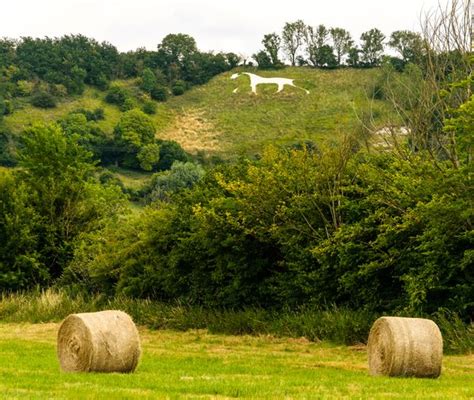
[
  {"x": 148, "y": 156},
  {"x": 8, "y": 148},
  {"x": 2, "y": 107},
  {"x": 128, "y": 104},
  {"x": 24, "y": 88},
  {"x": 58, "y": 90},
  {"x": 91, "y": 115},
  {"x": 50, "y": 202},
  {"x": 97, "y": 115},
  {"x": 147, "y": 80},
  {"x": 149, "y": 107},
  {"x": 178, "y": 88},
  {"x": 180, "y": 176},
  {"x": 43, "y": 100},
  {"x": 116, "y": 95},
  {"x": 9, "y": 107},
  {"x": 159, "y": 93},
  {"x": 170, "y": 152}
]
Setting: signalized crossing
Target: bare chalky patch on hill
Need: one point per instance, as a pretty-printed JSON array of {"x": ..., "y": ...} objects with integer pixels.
[{"x": 194, "y": 132}]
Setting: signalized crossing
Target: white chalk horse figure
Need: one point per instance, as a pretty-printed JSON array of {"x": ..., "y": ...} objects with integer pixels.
[{"x": 260, "y": 80}]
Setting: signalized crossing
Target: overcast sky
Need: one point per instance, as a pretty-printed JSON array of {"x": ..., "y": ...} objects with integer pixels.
[{"x": 237, "y": 25}]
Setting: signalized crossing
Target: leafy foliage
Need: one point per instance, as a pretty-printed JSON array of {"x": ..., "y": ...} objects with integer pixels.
[
  {"x": 372, "y": 47},
  {"x": 43, "y": 100},
  {"x": 180, "y": 176},
  {"x": 46, "y": 205}
]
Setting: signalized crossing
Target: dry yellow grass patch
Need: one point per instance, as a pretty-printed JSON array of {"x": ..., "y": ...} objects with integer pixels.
[
  {"x": 194, "y": 132},
  {"x": 44, "y": 333}
]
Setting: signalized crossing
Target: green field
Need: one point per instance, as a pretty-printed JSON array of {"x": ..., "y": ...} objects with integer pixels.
[
  {"x": 199, "y": 365},
  {"x": 214, "y": 120}
]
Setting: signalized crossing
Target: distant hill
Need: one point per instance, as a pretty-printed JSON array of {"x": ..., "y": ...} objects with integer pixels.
[{"x": 214, "y": 120}]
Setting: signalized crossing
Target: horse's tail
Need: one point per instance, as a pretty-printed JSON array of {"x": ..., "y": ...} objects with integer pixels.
[{"x": 307, "y": 91}]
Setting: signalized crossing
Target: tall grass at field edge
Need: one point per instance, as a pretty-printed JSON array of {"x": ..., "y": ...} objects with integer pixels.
[{"x": 337, "y": 325}]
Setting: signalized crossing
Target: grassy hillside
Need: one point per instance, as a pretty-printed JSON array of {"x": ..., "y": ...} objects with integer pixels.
[
  {"x": 213, "y": 119},
  {"x": 199, "y": 365},
  {"x": 243, "y": 123}
]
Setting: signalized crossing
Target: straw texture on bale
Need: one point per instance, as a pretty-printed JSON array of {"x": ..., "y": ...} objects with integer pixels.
[
  {"x": 105, "y": 341},
  {"x": 405, "y": 347}
]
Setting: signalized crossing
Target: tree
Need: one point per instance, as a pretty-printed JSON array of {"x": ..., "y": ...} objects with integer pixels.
[
  {"x": 263, "y": 60},
  {"x": 409, "y": 45},
  {"x": 176, "y": 47},
  {"x": 148, "y": 80},
  {"x": 353, "y": 57},
  {"x": 148, "y": 156},
  {"x": 7, "y": 52},
  {"x": 134, "y": 130},
  {"x": 315, "y": 39},
  {"x": 372, "y": 47},
  {"x": 21, "y": 263},
  {"x": 320, "y": 54},
  {"x": 427, "y": 98},
  {"x": 232, "y": 60},
  {"x": 182, "y": 175},
  {"x": 63, "y": 200},
  {"x": 170, "y": 151},
  {"x": 342, "y": 42},
  {"x": 325, "y": 56},
  {"x": 272, "y": 42},
  {"x": 293, "y": 38}
]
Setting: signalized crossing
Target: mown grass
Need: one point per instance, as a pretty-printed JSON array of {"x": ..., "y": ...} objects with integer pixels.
[{"x": 201, "y": 365}]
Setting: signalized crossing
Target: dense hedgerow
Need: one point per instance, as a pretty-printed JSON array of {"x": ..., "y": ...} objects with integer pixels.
[{"x": 298, "y": 228}]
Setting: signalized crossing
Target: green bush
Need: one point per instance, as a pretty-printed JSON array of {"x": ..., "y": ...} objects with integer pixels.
[
  {"x": 128, "y": 104},
  {"x": 178, "y": 88},
  {"x": 116, "y": 95},
  {"x": 149, "y": 107},
  {"x": 46, "y": 205},
  {"x": 180, "y": 176},
  {"x": 43, "y": 100},
  {"x": 148, "y": 80},
  {"x": 91, "y": 115},
  {"x": 2, "y": 107},
  {"x": 9, "y": 107},
  {"x": 148, "y": 156},
  {"x": 159, "y": 93},
  {"x": 302, "y": 227}
]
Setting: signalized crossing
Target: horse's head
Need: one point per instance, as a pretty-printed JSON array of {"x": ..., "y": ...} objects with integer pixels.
[{"x": 235, "y": 76}]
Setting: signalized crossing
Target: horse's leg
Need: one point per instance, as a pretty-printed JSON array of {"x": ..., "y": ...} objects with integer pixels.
[
  {"x": 280, "y": 87},
  {"x": 254, "y": 88}
]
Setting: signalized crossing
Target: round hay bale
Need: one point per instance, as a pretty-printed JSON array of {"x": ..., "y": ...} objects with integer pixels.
[
  {"x": 405, "y": 347},
  {"x": 105, "y": 341}
]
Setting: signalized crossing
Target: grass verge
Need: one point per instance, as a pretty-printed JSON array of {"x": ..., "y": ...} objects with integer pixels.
[{"x": 340, "y": 326}]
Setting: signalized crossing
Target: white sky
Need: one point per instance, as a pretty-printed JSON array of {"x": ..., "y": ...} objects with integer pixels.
[{"x": 225, "y": 25}]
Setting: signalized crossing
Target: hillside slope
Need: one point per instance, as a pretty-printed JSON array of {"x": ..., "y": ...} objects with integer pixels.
[
  {"x": 243, "y": 123},
  {"x": 214, "y": 120}
]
